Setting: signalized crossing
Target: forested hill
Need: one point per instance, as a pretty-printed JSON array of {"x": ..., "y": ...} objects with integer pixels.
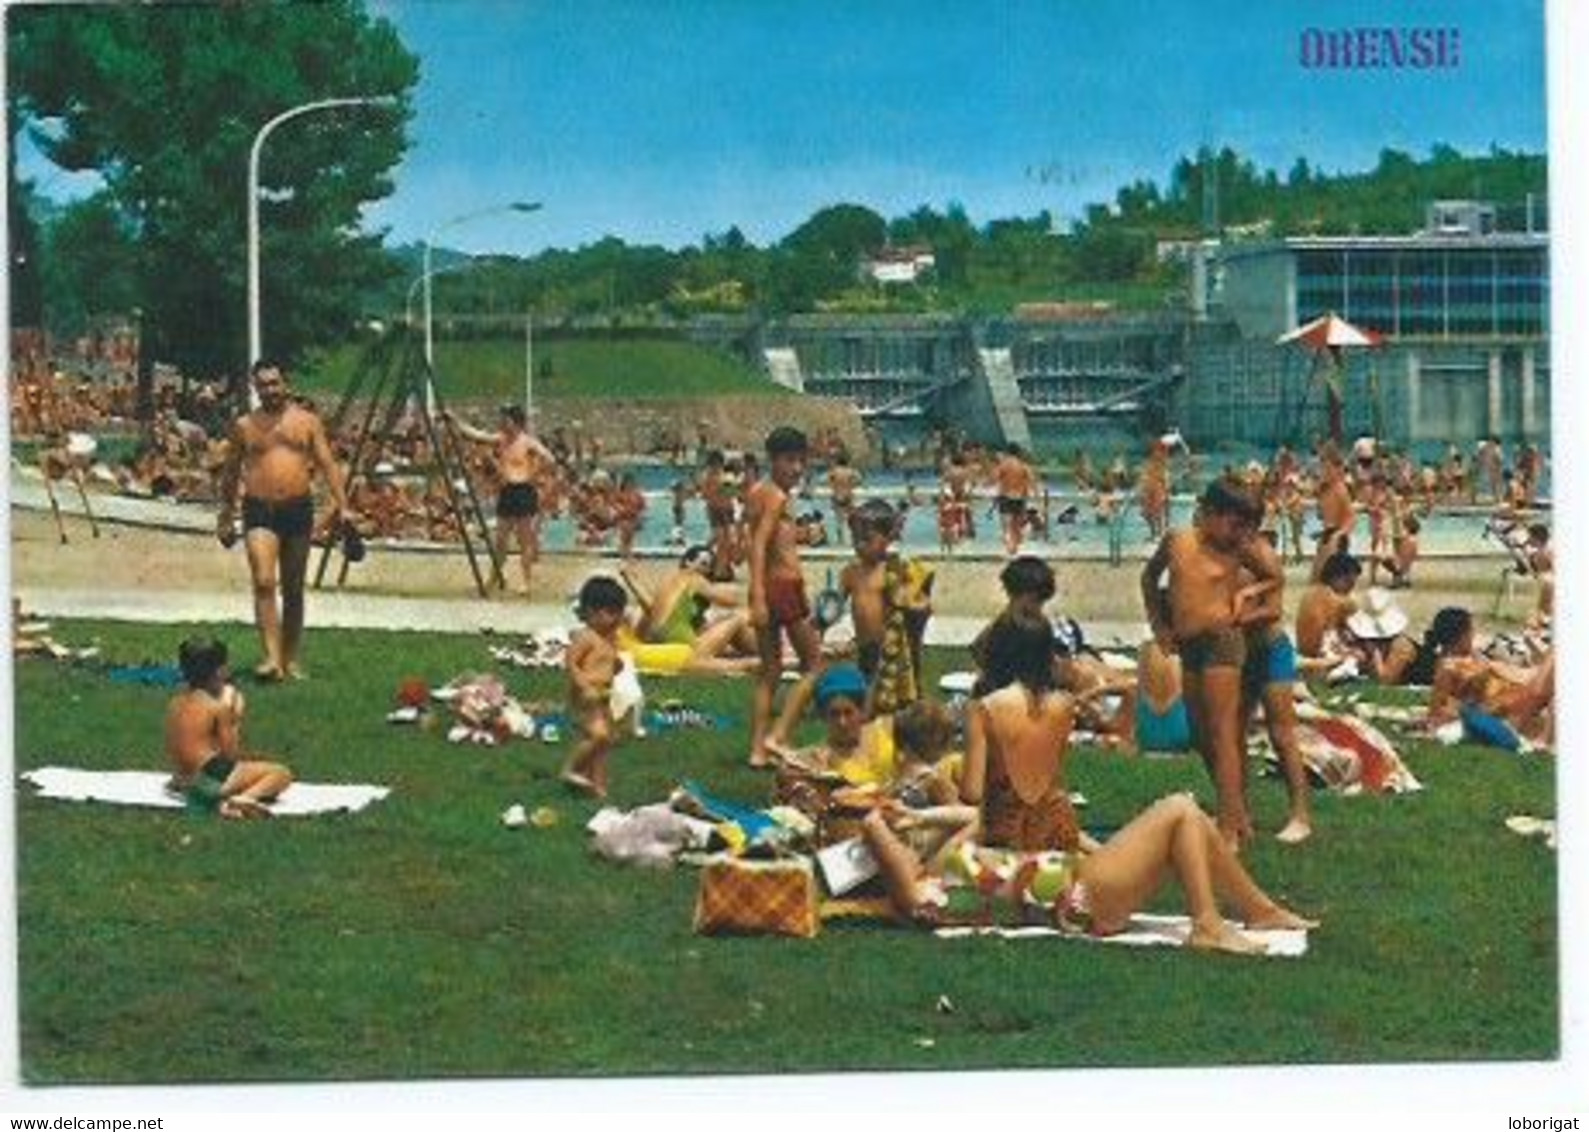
[
  {"x": 1388, "y": 199},
  {"x": 985, "y": 266},
  {"x": 989, "y": 266}
]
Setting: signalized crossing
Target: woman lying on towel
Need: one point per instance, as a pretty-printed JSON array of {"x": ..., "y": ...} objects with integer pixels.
[
  {"x": 204, "y": 735},
  {"x": 676, "y": 634},
  {"x": 1093, "y": 893}
]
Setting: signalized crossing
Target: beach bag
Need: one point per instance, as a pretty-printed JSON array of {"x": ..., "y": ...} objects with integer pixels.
[{"x": 757, "y": 898}]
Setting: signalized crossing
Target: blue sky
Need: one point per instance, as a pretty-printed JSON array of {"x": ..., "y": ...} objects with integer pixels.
[{"x": 663, "y": 121}]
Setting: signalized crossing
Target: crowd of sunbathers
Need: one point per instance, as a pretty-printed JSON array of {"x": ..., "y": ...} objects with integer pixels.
[
  {"x": 1212, "y": 595},
  {"x": 980, "y": 804},
  {"x": 997, "y": 817}
]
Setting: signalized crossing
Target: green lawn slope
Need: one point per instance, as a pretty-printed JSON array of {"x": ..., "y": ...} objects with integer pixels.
[{"x": 630, "y": 368}]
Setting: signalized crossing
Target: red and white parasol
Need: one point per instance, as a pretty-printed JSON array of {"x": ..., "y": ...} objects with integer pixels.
[
  {"x": 1332, "y": 335},
  {"x": 1331, "y": 331}
]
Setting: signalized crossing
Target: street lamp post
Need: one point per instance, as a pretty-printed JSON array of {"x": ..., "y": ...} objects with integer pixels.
[
  {"x": 529, "y": 370},
  {"x": 419, "y": 281},
  {"x": 427, "y": 274},
  {"x": 255, "y": 333}
]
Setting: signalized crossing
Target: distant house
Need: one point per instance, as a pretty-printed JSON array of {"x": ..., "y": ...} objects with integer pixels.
[
  {"x": 1257, "y": 230},
  {"x": 1459, "y": 218},
  {"x": 1181, "y": 249},
  {"x": 898, "y": 265}
]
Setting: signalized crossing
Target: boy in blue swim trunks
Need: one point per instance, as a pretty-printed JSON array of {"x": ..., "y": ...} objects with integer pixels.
[{"x": 1269, "y": 677}]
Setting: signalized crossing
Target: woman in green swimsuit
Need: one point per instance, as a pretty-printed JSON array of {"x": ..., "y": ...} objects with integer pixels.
[{"x": 675, "y": 613}]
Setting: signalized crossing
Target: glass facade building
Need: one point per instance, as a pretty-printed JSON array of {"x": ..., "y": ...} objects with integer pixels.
[
  {"x": 1494, "y": 287},
  {"x": 1466, "y": 320}
]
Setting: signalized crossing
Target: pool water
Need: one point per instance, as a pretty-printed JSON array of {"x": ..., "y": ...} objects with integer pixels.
[{"x": 1445, "y": 533}]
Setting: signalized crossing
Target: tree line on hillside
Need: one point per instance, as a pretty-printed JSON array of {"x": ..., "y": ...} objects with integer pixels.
[{"x": 1111, "y": 252}]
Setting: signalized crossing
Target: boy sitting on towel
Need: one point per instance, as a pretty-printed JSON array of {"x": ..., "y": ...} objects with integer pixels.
[{"x": 204, "y": 737}]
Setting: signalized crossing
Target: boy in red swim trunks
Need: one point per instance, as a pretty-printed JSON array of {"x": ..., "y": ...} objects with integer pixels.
[{"x": 778, "y": 605}]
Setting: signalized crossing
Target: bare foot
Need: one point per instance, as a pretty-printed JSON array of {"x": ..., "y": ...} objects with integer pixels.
[
  {"x": 761, "y": 760},
  {"x": 1280, "y": 918},
  {"x": 267, "y": 673},
  {"x": 1296, "y": 831},
  {"x": 580, "y": 782},
  {"x": 296, "y": 672},
  {"x": 1223, "y": 937},
  {"x": 241, "y": 808}
]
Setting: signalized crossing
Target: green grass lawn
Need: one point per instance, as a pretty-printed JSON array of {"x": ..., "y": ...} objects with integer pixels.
[
  {"x": 493, "y": 370},
  {"x": 422, "y": 939}
]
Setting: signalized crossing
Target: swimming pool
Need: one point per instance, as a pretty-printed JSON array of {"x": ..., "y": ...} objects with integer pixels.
[{"x": 1446, "y": 533}]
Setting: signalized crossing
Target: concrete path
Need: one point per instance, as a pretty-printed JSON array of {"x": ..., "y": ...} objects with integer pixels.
[{"x": 342, "y": 610}]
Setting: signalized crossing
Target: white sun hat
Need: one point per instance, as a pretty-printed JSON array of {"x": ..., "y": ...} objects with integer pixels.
[
  {"x": 81, "y": 446},
  {"x": 1379, "y": 619}
]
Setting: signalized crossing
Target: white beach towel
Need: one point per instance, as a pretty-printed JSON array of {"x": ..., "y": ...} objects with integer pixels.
[
  {"x": 148, "y": 788},
  {"x": 1146, "y": 930}
]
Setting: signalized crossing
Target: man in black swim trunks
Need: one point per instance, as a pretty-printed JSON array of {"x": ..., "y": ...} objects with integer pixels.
[
  {"x": 1014, "y": 483},
  {"x": 521, "y": 461},
  {"x": 274, "y": 452}
]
